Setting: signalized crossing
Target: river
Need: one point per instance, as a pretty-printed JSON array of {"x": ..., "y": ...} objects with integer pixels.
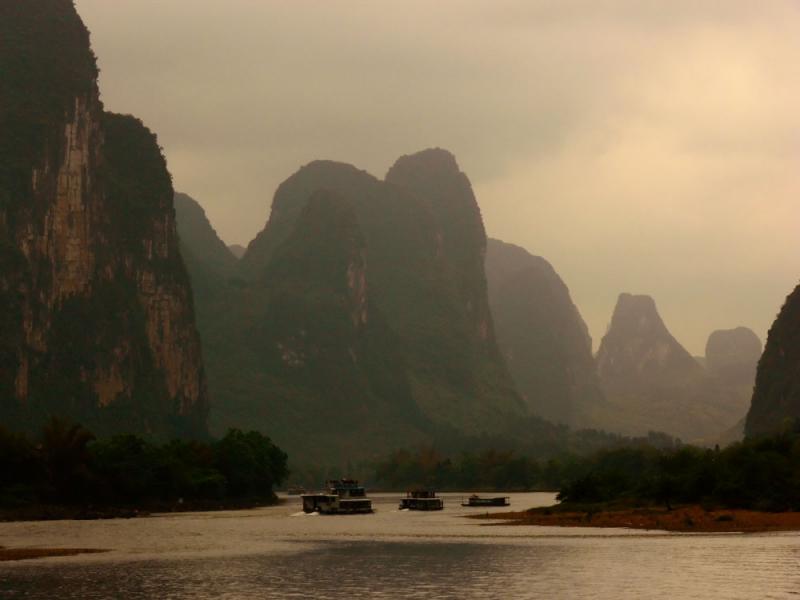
[{"x": 278, "y": 552}]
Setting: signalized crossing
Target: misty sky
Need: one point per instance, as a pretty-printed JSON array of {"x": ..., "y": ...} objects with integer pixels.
[{"x": 641, "y": 146}]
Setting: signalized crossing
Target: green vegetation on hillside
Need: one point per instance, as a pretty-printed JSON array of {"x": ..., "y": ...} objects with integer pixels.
[{"x": 67, "y": 466}]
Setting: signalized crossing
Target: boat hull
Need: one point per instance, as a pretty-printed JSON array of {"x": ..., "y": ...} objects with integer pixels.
[
  {"x": 327, "y": 504},
  {"x": 421, "y": 504},
  {"x": 484, "y": 502}
]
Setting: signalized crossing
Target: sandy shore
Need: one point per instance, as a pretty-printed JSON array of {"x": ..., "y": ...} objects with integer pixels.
[
  {"x": 684, "y": 518},
  {"x": 9, "y": 554}
]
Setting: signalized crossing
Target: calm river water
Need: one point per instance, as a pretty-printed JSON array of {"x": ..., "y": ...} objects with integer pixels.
[{"x": 278, "y": 552}]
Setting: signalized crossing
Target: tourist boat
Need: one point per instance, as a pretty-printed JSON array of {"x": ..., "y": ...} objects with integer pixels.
[
  {"x": 344, "y": 497},
  {"x": 476, "y": 500},
  {"x": 421, "y": 500}
]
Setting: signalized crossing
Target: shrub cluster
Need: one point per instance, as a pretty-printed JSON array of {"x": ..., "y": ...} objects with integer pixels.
[
  {"x": 761, "y": 474},
  {"x": 68, "y": 466}
]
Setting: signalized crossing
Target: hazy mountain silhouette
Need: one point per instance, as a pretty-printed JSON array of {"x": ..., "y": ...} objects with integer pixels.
[
  {"x": 542, "y": 335},
  {"x": 653, "y": 383}
]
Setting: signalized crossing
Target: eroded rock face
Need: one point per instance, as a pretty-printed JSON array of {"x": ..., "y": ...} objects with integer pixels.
[
  {"x": 99, "y": 324},
  {"x": 776, "y": 397},
  {"x": 542, "y": 335}
]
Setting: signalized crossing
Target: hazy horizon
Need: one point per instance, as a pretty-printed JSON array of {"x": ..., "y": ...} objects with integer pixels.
[{"x": 639, "y": 147}]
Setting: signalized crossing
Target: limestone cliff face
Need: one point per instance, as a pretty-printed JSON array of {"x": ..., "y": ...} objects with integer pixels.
[
  {"x": 542, "y": 335},
  {"x": 99, "y": 322},
  {"x": 776, "y": 397}
]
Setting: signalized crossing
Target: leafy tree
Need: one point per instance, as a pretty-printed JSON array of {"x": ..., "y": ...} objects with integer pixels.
[{"x": 65, "y": 453}]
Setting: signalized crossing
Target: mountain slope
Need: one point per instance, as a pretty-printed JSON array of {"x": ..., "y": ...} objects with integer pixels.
[
  {"x": 199, "y": 239},
  {"x": 208, "y": 259},
  {"x": 541, "y": 334}
]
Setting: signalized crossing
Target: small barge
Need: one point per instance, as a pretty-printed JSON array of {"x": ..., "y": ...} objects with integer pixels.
[
  {"x": 476, "y": 500},
  {"x": 421, "y": 500},
  {"x": 344, "y": 497}
]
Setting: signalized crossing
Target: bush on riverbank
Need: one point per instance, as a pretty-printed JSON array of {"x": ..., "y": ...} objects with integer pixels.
[
  {"x": 759, "y": 474},
  {"x": 504, "y": 469},
  {"x": 68, "y": 466}
]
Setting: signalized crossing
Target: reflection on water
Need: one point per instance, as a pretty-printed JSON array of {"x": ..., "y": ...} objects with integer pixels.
[{"x": 270, "y": 554}]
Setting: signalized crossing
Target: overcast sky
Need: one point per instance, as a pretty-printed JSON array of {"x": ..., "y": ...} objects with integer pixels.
[{"x": 641, "y": 146}]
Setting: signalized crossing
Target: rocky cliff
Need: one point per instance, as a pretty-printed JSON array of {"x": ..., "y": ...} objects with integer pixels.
[
  {"x": 776, "y": 397},
  {"x": 97, "y": 310},
  {"x": 638, "y": 348},
  {"x": 542, "y": 335},
  {"x": 652, "y": 383},
  {"x": 405, "y": 349}
]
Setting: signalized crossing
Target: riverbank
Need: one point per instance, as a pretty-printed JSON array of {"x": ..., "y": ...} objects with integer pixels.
[
  {"x": 693, "y": 518},
  {"x": 49, "y": 512}
]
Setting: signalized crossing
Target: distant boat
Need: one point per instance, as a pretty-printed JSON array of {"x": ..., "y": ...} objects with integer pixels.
[
  {"x": 295, "y": 490},
  {"x": 421, "y": 500},
  {"x": 476, "y": 500},
  {"x": 344, "y": 497}
]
